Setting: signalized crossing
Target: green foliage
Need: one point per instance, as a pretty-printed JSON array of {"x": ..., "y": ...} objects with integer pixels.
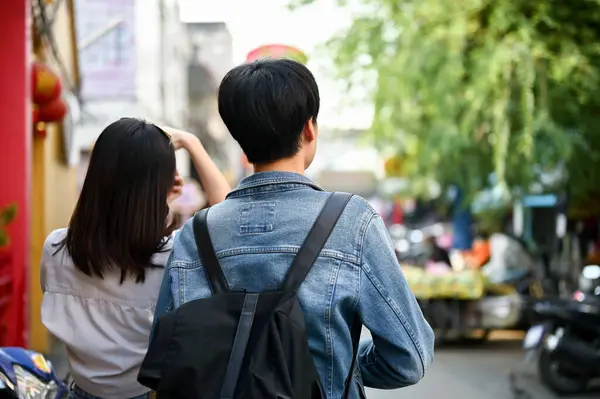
[
  {"x": 7, "y": 215},
  {"x": 473, "y": 87},
  {"x": 491, "y": 221}
]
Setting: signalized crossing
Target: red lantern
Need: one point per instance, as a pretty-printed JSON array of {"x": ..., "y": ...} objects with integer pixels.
[
  {"x": 35, "y": 114},
  {"x": 40, "y": 130},
  {"x": 53, "y": 111},
  {"x": 46, "y": 84}
]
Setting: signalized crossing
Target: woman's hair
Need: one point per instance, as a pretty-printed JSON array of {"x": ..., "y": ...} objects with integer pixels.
[{"x": 120, "y": 218}]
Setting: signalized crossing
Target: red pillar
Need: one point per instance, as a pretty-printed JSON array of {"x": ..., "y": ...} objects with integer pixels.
[{"x": 15, "y": 155}]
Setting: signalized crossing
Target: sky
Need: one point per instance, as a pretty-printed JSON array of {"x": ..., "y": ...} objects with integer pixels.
[{"x": 256, "y": 22}]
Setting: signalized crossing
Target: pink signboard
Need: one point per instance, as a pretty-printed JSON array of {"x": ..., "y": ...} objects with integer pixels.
[{"x": 106, "y": 38}]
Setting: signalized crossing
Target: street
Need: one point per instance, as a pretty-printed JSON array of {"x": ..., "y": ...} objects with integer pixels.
[
  {"x": 479, "y": 371},
  {"x": 476, "y": 372}
]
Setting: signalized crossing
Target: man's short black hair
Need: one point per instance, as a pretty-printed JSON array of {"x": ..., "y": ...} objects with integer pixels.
[{"x": 266, "y": 104}]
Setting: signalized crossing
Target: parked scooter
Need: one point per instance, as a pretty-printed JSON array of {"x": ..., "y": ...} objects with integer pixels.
[
  {"x": 26, "y": 374},
  {"x": 568, "y": 338}
]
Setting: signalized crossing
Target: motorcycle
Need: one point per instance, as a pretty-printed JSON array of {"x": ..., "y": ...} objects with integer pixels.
[
  {"x": 26, "y": 374},
  {"x": 567, "y": 341}
]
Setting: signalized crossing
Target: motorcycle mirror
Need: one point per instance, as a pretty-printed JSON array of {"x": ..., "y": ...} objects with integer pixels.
[{"x": 591, "y": 272}]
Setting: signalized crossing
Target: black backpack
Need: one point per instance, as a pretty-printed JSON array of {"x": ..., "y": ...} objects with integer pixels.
[{"x": 242, "y": 345}]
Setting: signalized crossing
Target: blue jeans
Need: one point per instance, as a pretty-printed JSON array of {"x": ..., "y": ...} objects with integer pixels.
[{"x": 78, "y": 393}]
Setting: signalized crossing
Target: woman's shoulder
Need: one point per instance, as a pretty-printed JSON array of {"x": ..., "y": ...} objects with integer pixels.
[
  {"x": 54, "y": 238},
  {"x": 52, "y": 246},
  {"x": 162, "y": 256}
]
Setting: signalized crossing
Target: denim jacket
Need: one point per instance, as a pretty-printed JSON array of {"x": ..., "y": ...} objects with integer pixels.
[{"x": 256, "y": 233}]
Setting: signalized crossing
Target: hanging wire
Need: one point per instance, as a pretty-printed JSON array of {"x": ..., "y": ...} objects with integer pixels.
[{"x": 53, "y": 11}]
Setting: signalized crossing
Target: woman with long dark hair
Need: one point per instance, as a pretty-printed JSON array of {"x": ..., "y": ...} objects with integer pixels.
[{"x": 101, "y": 276}]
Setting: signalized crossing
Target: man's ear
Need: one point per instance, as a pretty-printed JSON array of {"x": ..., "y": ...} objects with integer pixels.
[{"x": 310, "y": 130}]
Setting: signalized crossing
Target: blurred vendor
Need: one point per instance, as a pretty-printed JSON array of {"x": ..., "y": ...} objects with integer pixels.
[
  {"x": 438, "y": 259},
  {"x": 480, "y": 254},
  {"x": 191, "y": 200},
  {"x": 436, "y": 253}
]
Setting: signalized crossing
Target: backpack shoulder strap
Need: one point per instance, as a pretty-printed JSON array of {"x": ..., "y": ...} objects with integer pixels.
[
  {"x": 315, "y": 240},
  {"x": 210, "y": 263}
]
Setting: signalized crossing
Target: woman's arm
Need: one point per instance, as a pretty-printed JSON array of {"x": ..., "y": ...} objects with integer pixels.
[{"x": 214, "y": 183}]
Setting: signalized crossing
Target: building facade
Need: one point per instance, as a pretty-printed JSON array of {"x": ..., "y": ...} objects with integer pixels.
[
  {"x": 148, "y": 49},
  {"x": 212, "y": 58},
  {"x": 36, "y": 170},
  {"x": 16, "y": 149}
]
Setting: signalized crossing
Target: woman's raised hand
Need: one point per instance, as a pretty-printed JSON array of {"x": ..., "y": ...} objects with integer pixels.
[
  {"x": 214, "y": 183},
  {"x": 180, "y": 138}
]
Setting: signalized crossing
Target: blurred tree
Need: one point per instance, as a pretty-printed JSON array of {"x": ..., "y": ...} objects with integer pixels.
[{"x": 467, "y": 89}]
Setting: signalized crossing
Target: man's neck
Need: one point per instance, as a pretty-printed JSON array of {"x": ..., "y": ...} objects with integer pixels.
[{"x": 293, "y": 165}]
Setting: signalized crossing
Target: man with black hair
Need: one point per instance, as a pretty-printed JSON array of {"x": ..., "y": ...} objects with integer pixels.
[{"x": 270, "y": 107}]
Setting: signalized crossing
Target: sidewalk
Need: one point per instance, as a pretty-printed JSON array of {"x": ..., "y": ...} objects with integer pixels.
[{"x": 479, "y": 372}]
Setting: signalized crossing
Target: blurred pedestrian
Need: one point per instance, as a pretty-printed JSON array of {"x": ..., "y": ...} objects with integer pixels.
[{"x": 438, "y": 259}]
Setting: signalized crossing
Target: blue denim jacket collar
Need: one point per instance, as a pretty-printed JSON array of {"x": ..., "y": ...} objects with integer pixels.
[{"x": 272, "y": 181}]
